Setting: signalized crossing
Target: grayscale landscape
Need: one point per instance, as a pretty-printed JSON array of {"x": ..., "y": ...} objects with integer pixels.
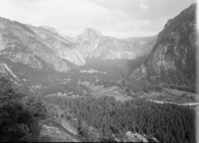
[{"x": 98, "y": 71}]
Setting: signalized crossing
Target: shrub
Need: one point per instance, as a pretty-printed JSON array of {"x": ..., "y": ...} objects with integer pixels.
[{"x": 16, "y": 117}]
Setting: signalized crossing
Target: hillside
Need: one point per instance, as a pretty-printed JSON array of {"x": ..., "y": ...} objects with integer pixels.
[{"x": 172, "y": 61}]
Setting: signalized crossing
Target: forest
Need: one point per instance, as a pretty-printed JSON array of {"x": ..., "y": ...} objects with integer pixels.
[
  {"x": 20, "y": 116},
  {"x": 165, "y": 122}
]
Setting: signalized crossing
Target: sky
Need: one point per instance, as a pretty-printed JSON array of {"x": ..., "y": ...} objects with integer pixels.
[{"x": 116, "y": 18}]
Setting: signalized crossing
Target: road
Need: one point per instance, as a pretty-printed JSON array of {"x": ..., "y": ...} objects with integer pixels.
[
  {"x": 121, "y": 97},
  {"x": 181, "y": 104}
]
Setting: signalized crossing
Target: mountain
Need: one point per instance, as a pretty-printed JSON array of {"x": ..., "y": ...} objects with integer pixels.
[
  {"x": 172, "y": 61},
  {"x": 37, "y": 57},
  {"x": 33, "y": 45},
  {"x": 32, "y": 56},
  {"x": 92, "y": 44}
]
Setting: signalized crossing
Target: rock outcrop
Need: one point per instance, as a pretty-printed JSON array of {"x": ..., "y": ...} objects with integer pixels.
[
  {"x": 34, "y": 46},
  {"x": 172, "y": 61},
  {"x": 94, "y": 45}
]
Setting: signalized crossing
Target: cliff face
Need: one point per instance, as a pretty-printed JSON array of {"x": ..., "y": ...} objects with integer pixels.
[
  {"x": 172, "y": 60},
  {"x": 92, "y": 44},
  {"x": 34, "y": 46}
]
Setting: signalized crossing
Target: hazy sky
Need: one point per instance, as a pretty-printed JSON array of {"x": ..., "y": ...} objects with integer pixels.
[{"x": 118, "y": 18}]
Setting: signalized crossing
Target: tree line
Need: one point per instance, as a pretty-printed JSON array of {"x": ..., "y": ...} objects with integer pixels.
[{"x": 166, "y": 122}]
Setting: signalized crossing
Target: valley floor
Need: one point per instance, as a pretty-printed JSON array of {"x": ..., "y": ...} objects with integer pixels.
[{"x": 120, "y": 95}]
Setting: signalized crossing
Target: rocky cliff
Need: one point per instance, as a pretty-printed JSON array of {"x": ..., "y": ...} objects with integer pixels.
[
  {"x": 94, "y": 45},
  {"x": 172, "y": 61},
  {"x": 34, "y": 46}
]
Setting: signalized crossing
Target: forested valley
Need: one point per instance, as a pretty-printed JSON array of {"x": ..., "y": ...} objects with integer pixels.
[
  {"x": 98, "y": 88},
  {"x": 100, "y": 119},
  {"x": 166, "y": 122}
]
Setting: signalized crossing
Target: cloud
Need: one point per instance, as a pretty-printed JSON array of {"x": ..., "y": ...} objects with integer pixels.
[
  {"x": 71, "y": 17},
  {"x": 134, "y": 24},
  {"x": 144, "y": 6},
  {"x": 67, "y": 16},
  {"x": 129, "y": 33},
  {"x": 136, "y": 28}
]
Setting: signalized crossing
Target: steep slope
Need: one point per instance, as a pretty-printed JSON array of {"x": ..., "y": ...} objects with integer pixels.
[
  {"x": 33, "y": 45},
  {"x": 62, "y": 47},
  {"x": 172, "y": 61},
  {"x": 32, "y": 56},
  {"x": 94, "y": 45}
]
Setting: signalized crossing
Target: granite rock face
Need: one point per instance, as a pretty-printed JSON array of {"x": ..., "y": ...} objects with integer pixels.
[
  {"x": 172, "y": 60},
  {"x": 36, "y": 47},
  {"x": 94, "y": 45}
]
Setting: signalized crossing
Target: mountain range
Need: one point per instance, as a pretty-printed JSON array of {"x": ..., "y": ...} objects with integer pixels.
[
  {"x": 94, "y": 45},
  {"x": 29, "y": 53},
  {"x": 26, "y": 50},
  {"x": 73, "y": 88}
]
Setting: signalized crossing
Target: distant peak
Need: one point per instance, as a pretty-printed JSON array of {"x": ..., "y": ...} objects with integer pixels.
[
  {"x": 92, "y": 30},
  {"x": 90, "y": 33}
]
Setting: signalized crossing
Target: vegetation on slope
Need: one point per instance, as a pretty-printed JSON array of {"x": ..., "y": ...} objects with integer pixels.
[
  {"x": 172, "y": 61},
  {"x": 166, "y": 122},
  {"x": 19, "y": 117}
]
